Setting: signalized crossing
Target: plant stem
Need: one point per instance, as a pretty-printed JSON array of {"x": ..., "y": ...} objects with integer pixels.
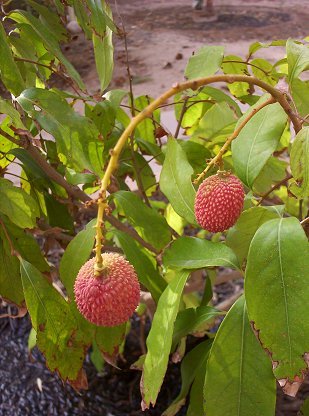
[
  {"x": 194, "y": 84},
  {"x": 183, "y": 111},
  {"x": 218, "y": 157},
  {"x": 277, "y": 185}
]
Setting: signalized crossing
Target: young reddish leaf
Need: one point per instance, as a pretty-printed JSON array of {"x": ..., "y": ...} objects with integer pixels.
[
  {"x": 236, "y": 366},
  {"x": 277, "y": 293}
]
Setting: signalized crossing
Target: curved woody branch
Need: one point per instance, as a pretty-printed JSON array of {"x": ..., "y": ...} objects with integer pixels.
[{"x": 277, "y": 96}]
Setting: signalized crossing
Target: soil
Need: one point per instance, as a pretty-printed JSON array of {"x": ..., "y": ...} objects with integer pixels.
[{"x": 161, "y": 36}]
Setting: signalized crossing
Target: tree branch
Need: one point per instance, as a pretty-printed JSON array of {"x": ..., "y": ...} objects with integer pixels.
[{"x": 233, "y": 136}]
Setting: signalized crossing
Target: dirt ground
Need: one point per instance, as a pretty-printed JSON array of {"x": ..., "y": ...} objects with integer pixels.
[{"x": 162, "y": 35}]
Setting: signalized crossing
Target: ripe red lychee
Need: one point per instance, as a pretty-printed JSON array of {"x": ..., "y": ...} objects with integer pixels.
[
  {"x": 110, "y": 298},
  {"x": 219, "y": 201}
]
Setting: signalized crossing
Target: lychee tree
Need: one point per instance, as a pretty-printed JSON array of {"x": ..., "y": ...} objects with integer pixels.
[{"x": 61, "y": 168}]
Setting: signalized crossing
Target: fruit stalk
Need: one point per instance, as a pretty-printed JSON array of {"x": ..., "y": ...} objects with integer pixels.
[{"x": 193, "y": 84}]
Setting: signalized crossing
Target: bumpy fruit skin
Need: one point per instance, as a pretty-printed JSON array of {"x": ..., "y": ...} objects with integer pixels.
[
  {"x": 109, "y": 299},
  {"x": 219, "y": 201}
]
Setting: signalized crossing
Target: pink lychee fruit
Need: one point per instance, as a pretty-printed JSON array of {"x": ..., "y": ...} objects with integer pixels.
[
  {"x": 110, "y": 298},
  {"x": 219, "y": 201}
]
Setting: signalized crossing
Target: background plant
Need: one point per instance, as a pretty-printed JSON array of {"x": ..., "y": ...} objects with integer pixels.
[{"x": 258, "y": 131}]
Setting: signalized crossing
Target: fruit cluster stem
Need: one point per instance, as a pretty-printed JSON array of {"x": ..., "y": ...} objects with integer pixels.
[
  {"x": 146, "y": 112},
  {"x": 218, "y": 158}
]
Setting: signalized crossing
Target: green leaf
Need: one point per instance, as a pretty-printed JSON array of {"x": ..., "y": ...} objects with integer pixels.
[
  {"x": 57, "y": 335},
  {"x": 51, "y": 44},
  {"x": 76, "y": 136},
  {"x": 195, "y": 253},
  {"x": 20, "y": 207},
  {"x": 148, "y": 275},
  {"x": 205, "y": 61},
  {"x": 298, "y": 58},
  {"x": 215, "y": 121},
  {"x": 196, "y": 393},
  {"x": 76, "y": 254},
  {"x": 304, "y": 411},
  {"x": 220, "y": 96},
  {"x": 277, "y": 293},
  {"x": 147, "y": 128},
  {"x": 300, "y": 163},
  {"x": 159, "y": 340},
  {"x": 300, "y": 93},
  {"x": 50, "y": 19},
  {"x": 25, "y": 244},
  {"x": 10, "y": 282},
  {"x": 190, "y": 366},
  {"x": 9, "y": 71},
  {"x": 103, "y": 115},
  {"x": 265, "y": 71},
  {"x": 190, "y": 320},
  {"x": 58, "y": 214},
  {"x": 39, "y": 178},
  {"x": 148, "y": 222},
  {"x": 104, "y": 53},
  {"x": 254, "y": 47},
  {"x": 96, "y": 357},
  {"x": 239, "y": 237},
  {"x": 239, "y": 380},
  {"x": 7, "y": 108},
  {"x": 257, "y": 141},
  {"x": 233, "y": 64},
  {"x": 175, "y": 181}
]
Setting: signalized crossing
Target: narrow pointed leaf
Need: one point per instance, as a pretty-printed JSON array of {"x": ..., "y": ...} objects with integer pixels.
[
  {"x": 76, "y": 136},
  {"x": 175, "y": 181},
  {"x": 159, "y": 340},
  {"x": 190, "y": 366},
  {"x": 195, "y": 253},
  {"x": 9, "y": 71},
  {"x": 236, "y": 365},
  {"x": 277, "y": 293}
]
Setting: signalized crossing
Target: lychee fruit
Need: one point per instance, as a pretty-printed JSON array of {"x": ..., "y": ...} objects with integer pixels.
[
  {"x": 110, "y": 298},
  {"x": 219, "y": 201}
]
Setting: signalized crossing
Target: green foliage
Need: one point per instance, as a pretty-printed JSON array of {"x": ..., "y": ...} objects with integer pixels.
[
  {"x": 56, "y": 140},
  {"x": 159, "y": 340},
  {"x": 231, "y": 376},
  {"x": 276, "y": 291},
  {"x": 175, "y": 181}
]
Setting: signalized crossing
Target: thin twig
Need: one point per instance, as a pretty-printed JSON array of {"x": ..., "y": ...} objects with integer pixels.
[
  {"x": 305, "y": 221},
  {"x": 183, "y": 111},
  {"x": 246, "y": 63},
  {"x": 277, "y": 185},
  {"x": 233, "y": 136}
]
